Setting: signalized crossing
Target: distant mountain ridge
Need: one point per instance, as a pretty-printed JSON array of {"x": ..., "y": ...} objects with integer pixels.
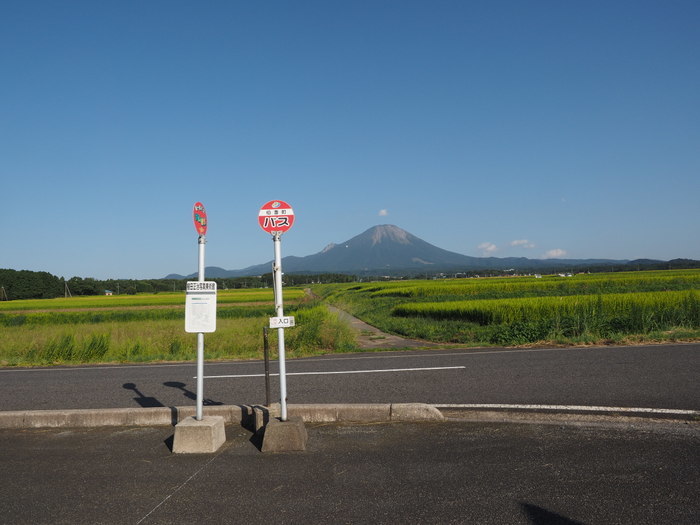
[{"x": 389, "y": 250}]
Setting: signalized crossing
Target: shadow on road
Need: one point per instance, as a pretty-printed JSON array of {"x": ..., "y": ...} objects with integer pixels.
[
  {"x": 189, "y": 394},
  {"x": 142, "y": 400},
  {"x": 149, "y": 402},
  {"x": 539, "y": 516}
]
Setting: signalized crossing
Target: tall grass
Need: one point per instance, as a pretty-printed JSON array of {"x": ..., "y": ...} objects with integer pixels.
[
  {"x": 318, "y": 330},
  {"x": 163, "y": 299},
  {"x": 641, "y": 309},
  {"x": 109, "y": 316},
  {"x": 548, "y": 286},
  {"x": 511, "y": 310},
  {"x": 154, "y": 336},
  {"x": 533, "y": 319}
]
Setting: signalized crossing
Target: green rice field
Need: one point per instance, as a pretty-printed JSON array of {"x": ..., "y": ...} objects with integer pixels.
[
  {"x": 161, "y": 299},
  {"x": 620, "y": 308},
  {"x": 151, "y": 327},
  {"x": 586, "y": 308}
]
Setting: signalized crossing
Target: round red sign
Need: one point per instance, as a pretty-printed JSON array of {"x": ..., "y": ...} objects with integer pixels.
[
  {"x": 276, "y": 217},
  {"x": 199, "y": 214}
]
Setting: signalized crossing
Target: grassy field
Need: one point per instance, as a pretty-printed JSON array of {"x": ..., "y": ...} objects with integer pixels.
[
  {"x": 582, "y": 309},
  {"x": 586, "y": 308},
  {"x": 162, "y": 299},
  {"x": 151, "y": 328}
]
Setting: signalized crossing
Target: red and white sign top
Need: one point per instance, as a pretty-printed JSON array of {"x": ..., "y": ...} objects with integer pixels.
[
  {"x": 276, "y": 217},
  {"x": 199, "y": 214}
]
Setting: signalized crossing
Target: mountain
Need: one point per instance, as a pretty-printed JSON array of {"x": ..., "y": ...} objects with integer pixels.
[
  {"x": 211, "y": 271},
  {"x": 389, "y": 250},
  {"x": 384, "y": 247}
]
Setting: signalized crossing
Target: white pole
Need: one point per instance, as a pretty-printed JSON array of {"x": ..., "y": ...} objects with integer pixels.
[
  {"x": 202, "y": 242},
  {"x": 277, "y": 275},
  {"x": 200, "y": 338}
]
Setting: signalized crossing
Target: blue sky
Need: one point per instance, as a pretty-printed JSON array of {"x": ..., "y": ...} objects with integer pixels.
[{"x": 504, "y": 128}]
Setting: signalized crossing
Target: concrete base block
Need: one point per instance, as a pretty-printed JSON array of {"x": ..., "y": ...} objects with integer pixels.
[
  {"x": 285, "y": 436},
  {"x": 199, "y": 437},
  {"x": 263, "y": 415}
]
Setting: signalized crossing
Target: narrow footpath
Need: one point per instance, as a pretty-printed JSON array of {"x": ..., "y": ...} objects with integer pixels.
[{"x": 369, "y": 337}]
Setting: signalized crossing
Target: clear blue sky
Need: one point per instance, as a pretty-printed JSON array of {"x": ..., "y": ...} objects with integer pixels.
[{"x": 505, "y": 128}]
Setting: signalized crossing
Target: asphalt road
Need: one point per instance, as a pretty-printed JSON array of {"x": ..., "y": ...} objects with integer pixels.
[
  {"x": 660, "y": 376},
  {"x": 450, "y": 472},
  {"x": 643, "y": 472}
]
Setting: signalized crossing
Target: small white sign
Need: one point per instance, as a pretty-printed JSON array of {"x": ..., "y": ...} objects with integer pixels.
[
  {"x": 200, "y": 307},
  {"x": 201, "y": 286},
  {"x": 281, "y": 322}
]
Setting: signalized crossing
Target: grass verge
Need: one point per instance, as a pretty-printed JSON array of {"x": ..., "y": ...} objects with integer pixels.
[{"x": 153, "y": 335}]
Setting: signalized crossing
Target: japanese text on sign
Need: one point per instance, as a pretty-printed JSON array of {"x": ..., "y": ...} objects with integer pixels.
[
  {"x": 196, "y": 286},
  {"x": 275, "y": 222},
  {"x": 199, "y": 215},
  {"x": 276, "y": 217},
  {"x": 282, "y": 322}
]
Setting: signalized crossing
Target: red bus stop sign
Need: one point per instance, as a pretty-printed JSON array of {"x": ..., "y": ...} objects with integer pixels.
[
  {"x": 276, "y": 217},
  {"x": 199, "y": 214}
]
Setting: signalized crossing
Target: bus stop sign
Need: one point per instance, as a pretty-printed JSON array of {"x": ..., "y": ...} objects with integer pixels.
[
  {"x": 276, "y": 217},
  {"x": 199, "y": 214}
]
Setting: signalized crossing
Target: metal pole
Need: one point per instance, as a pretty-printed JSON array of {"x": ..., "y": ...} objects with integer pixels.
[
  {"x": 202, "y": 241},
  {"x": 277, "y": 271},
  {"x": 200, "y": 338},
  {"x": 266, "y": 351}
]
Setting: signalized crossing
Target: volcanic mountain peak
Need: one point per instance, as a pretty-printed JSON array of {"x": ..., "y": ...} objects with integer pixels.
[
  {"x": 389, "y": 232},
  {"x": 390, "y": 250}
]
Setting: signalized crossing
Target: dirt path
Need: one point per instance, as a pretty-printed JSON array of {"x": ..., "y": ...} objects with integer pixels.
[{"x": 369, "y": 337}]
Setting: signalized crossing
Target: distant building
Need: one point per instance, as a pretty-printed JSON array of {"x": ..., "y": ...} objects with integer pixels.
[{"x": 109, "y": 292}]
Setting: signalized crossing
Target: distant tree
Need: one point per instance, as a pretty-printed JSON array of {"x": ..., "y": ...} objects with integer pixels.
[
  {"x": 86, "y": 286},
  {"x": 26, "y": 284}
]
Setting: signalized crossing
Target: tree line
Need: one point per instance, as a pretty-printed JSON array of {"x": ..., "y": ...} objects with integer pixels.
[{"x": 27, "y": 284}]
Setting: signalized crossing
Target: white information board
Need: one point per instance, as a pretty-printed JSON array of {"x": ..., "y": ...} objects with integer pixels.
[{"x": 200, "y": 307}]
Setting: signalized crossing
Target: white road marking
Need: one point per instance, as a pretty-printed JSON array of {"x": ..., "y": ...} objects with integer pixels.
[
  {"x": 473, "y": 353},
  {"x": 340, "y": 372},
  {"x": 406, "y": 354},
  {"x": 574, "y": 408},
  {"x": 177, "y": 489}
]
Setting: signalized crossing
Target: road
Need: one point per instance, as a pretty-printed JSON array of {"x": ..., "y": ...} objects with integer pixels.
[
  {"x": 658, "y": 376},
  {"x": 447, "y": 472}
]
